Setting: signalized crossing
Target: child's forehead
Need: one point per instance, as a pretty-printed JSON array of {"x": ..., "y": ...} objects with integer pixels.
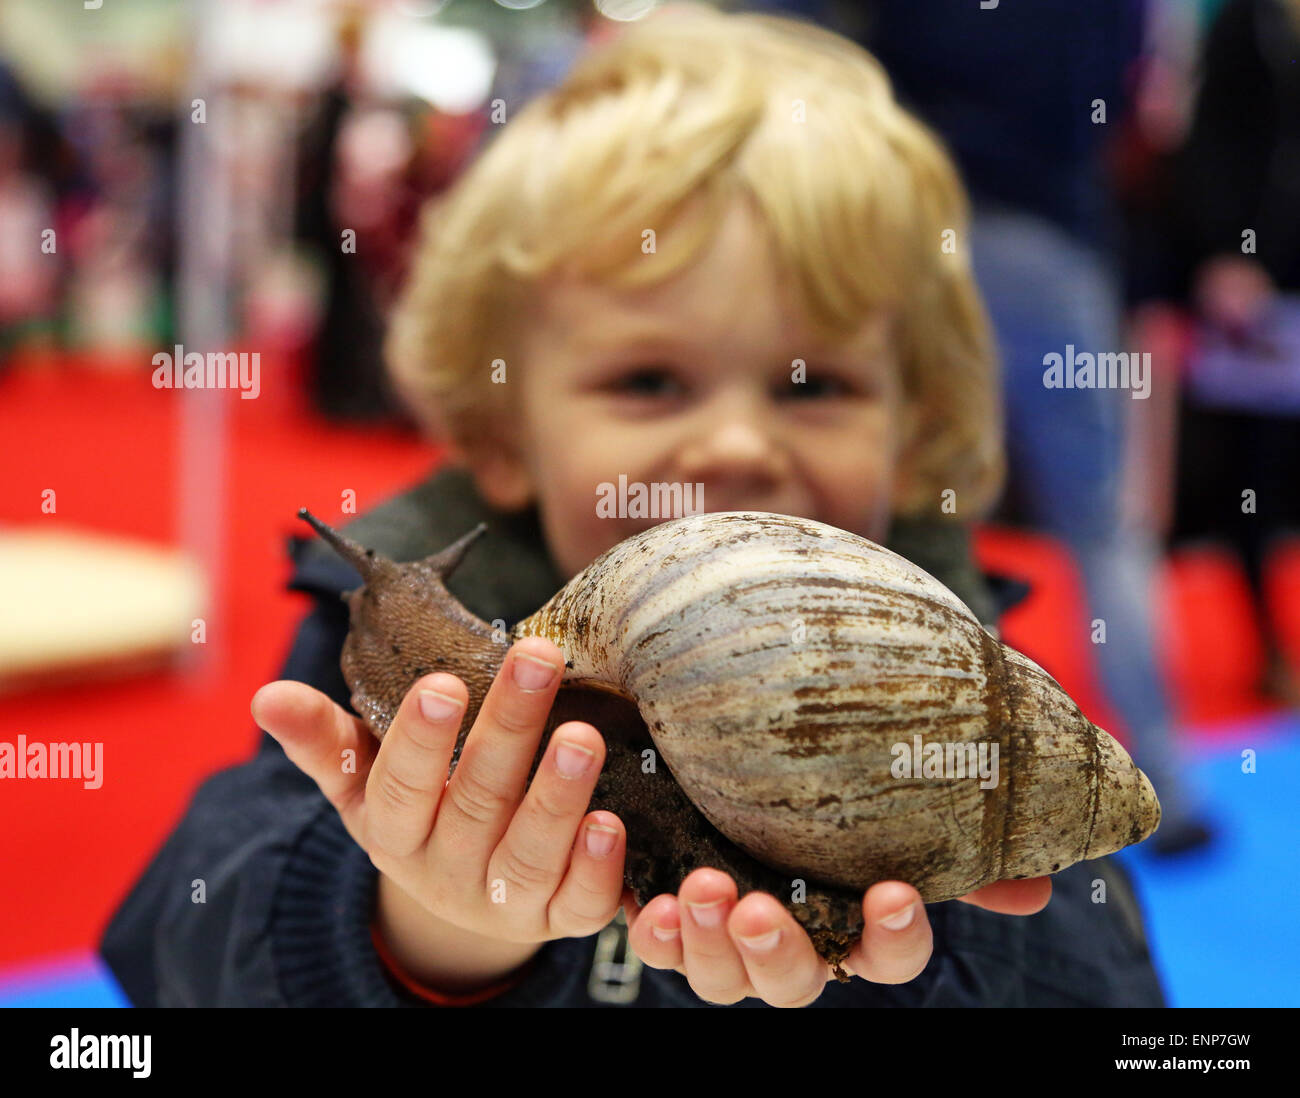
[{"x": 591, "y": 315}]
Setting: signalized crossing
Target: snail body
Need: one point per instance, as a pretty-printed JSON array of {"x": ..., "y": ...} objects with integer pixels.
[{"x": 780, "y": 666}]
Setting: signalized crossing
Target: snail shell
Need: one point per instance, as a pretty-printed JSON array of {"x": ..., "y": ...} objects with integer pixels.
[{"x": 779, "y": 663}]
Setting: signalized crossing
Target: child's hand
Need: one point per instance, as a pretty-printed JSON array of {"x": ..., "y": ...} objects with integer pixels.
[
  {"x": 729, "y": 951},
  {"x": 476, "y": 852}
]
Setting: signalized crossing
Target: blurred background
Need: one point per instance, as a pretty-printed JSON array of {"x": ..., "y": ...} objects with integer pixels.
[{"x": 186, "y": 173}]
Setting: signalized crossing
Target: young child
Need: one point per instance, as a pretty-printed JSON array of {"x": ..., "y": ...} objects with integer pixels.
[{"x": 718, "y": 254}]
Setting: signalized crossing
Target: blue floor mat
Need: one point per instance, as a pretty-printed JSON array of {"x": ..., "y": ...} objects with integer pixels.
[
  {"x": 78, "y": 980},
  {"x": 1221, "y": 921}
]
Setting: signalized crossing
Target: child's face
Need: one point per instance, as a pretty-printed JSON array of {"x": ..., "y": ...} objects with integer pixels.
[{"x": 691, "y": 382}]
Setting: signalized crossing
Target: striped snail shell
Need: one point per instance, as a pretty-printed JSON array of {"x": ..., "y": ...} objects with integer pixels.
[{"x": 785, "y": 670}]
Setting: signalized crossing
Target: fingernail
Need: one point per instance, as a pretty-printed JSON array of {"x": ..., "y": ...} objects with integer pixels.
[
  {"x": 761, "y": 943},
  {"x": 531, "y": 673},
  {"x": 664, "y": 934},
  {"x": 438, "y": 707},
  {"x": 600, "y": 839},
  {"x": 899, "y": 919},
  {"x": 571, "y": 760},
  {"x": 709, "y": 914}
]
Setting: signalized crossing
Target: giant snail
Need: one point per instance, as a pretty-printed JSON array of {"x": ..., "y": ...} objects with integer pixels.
[{"x": 782, "y": 669}]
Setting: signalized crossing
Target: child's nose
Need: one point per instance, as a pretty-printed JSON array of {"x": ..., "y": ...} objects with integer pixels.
[{"x": 737, "y": 446}]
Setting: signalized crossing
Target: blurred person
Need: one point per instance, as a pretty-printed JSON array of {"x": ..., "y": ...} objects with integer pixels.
[
  {"x": 355, "y": 168},
  {"x": 1025, "y": 104},
  {"x": 29, "y": 261},
  {"x": 346, "y": 375},
  {"x": 314, "y": 897},
  {"x": 121, "y": 244},
  {"x": 367, "y": 166},
  {"x": 1235, "y": 238},
  {"x": 28, "y": 273}
]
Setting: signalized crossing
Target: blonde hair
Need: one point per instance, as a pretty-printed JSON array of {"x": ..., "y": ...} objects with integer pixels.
[{"x": 692, "y": 104}]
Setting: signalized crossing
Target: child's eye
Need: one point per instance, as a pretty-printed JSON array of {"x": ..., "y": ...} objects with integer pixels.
[
  {"x": 814, "y": 387},
  {"x": 647, "y": 381}
]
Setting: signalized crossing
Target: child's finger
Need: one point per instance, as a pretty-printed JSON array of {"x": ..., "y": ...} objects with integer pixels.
[
  {"x": 1026, "y": 897},
  {"x": 488, "y": 784},
  {"x": 896, "y": 939},
  {"x": 588, "y": 897},
  {"x": 316, "y": 734},
  {"x": 781, "y": 963},
  {"x": 713, "y": 965},
  {"x": 410, "y": 772},
  {"x": 538, "y": 847},
  {"x": 655, "y": 932}
]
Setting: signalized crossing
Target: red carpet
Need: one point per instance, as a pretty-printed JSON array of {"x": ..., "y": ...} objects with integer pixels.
[{"x": 107, "y": 444}]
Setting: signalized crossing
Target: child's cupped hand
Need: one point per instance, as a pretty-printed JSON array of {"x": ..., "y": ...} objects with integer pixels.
[
  {"x": 730, "y": 950},
  {"x": 478, "y": 851},
  {"x": 483, "y": 853}
]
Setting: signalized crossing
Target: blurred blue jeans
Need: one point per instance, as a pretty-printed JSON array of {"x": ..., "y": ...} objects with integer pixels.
[{"x": 1045, "y": 289}]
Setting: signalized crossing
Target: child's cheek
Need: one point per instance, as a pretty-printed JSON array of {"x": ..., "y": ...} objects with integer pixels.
[
  {"x": 863, "y": 496},
  {"x": 575, "y": 532}
]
